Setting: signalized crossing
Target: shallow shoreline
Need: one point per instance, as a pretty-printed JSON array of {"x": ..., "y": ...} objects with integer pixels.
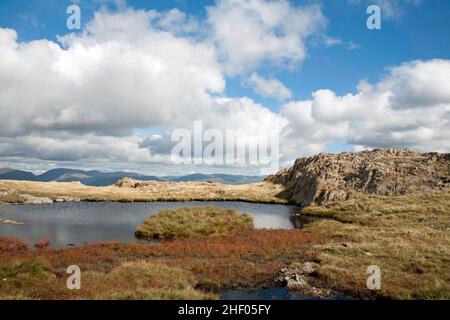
[{"x": 79, "y": 222}]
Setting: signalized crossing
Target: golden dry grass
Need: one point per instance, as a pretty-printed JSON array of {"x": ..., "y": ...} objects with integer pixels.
[
  {"x": 13, "y": 198},
  {"x": 408, "y": 237},
  {"x": 262, "y": 192},
  {"x": 194, "y": 222}
]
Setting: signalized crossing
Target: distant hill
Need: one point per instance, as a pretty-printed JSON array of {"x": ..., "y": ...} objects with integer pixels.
[
  {"x": 11, "y": 174},
  {"x": 223, "y": 178},
  {"x": 60, "y": 173},
  {"x": 107, "y": 179},
  {"x": 70, "y": 177},
  {"x": 98, "y": 178}
]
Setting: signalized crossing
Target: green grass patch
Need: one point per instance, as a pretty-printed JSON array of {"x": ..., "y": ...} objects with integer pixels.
[
  {"x": 29, "y": 276},
  {"x": 142, "y": 280},
  {"x": 194, "y": 222},
  {"x": 407, "y": 236}
]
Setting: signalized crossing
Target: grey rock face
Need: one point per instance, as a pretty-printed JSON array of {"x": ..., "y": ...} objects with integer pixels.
[{"x": 335, "y": 177}]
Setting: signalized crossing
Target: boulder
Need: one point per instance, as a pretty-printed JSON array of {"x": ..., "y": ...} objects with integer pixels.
[
  {"x": 300, "y": 277},
  {"x": 128, "y": 183},
  {"x": 296, "y": 283},
  {"x": 29, "y": 199},
  {"x": 309, "y": 268},
  {"x": 13, "y": 222}
]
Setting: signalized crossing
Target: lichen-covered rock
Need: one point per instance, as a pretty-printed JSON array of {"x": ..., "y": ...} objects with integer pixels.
[
  {"x": 296, "y": 283},
  {"x": 309, "y": 268},
  {"x": 300, "y": 277},
  {"x": 12, "y": 222},
  {"x": 67, "y": 199},
  {"x": 29, "y": 199},
  {"x": 127, "y": 183},
  {"x": 335, "y": 177}
]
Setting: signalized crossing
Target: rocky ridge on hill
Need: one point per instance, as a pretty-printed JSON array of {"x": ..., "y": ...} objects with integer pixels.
[{"x": 334, "y": 177}]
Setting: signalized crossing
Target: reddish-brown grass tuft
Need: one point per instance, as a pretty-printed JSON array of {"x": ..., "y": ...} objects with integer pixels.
[
  {"x": 11, "y": 245},
  {"x": 248, "y": 260},
  {"x": 42, "y": 244}
]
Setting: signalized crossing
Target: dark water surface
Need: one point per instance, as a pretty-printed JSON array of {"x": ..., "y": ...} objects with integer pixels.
[
  {"x": 277, "y": 293},
  {"x": 74, "y": 223}
]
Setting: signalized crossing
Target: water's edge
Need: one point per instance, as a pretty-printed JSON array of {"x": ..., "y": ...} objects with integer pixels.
[{"x": 74, "y": 223}]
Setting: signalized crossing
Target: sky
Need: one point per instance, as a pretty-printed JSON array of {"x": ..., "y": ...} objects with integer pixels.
[{"x": 111, "y": 94}]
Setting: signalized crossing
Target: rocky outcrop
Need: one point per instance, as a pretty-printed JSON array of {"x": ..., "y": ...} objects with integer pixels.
[
  {"x": 12, "y": 222},
  {"x": 130, "y": 183},
  {"x": 67, "y": 199},
  {"x": 300, "y": 277},
  {"x": 29, "y": 199},
  {"x": 333, "y": 177}
]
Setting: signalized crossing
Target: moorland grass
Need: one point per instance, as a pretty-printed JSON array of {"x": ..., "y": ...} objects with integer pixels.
[
  {"x": 407, "y": 236},
  {"x": 261, "y": 192},
  {"x": 35, "y": 279},
  {"x": 194, "y": 222},
  {"x": 11, "y": 198},
  {"x": 189, "y": 268}
]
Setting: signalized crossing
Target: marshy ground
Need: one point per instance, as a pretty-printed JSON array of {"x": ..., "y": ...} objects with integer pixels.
[
  {"x": 186, "y": 268},
  {"x": 407, "y": 236}
]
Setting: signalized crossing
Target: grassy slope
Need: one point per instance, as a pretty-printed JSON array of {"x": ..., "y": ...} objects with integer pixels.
[
  {"x": 408, "y": 237},
  {"x": 262, "y": 192},
  {"x": 194, "y": 222}
]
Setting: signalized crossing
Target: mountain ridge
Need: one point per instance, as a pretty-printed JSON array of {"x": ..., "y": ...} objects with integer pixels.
[{"x": 99, "y": 178}]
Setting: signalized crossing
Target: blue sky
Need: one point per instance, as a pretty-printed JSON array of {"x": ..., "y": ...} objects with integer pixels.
[
  {"x": 338, "y": 57},
  {"x": 419, "y": 32}
]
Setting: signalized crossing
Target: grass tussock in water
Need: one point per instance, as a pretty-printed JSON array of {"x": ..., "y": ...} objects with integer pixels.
[
  {"x": 194, "y": 222},
  {"x": 408, "y": 237}
]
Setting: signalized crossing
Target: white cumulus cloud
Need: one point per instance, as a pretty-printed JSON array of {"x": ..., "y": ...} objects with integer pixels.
[
  {"x": 409, "y": 107},
  {"x": 250, "y": 32},
  {"x": 269, "y": 88}
]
